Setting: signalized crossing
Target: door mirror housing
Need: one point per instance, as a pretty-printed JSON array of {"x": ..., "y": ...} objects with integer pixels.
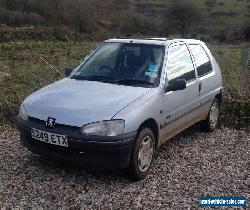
[
  {"x": 67, "y": 71},
  {"x": 179, "y": 84}
]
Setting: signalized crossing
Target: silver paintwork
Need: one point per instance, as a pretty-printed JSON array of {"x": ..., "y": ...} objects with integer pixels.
[
  {"x": 145, "y": 153},
  {"x": 214, "y": 115},
  {"x": 77, "y": 103}
]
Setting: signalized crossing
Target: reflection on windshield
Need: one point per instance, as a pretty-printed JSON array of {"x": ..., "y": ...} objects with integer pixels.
[{"x": 122, "y": 63}]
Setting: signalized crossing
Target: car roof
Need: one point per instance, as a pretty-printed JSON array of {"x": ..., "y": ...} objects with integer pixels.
[{"x": 155, "y": 41}]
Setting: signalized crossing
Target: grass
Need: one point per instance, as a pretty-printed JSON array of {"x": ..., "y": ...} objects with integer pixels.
[
  {"x": 230, "y": 60},
  {"x": 236, "y": 104},
  {"x": 240, "y": 7},
  {"x": 28, "y": 73}
]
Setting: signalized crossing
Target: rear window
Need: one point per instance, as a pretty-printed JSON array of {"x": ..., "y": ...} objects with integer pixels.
[{"x": 202, "y": 61}]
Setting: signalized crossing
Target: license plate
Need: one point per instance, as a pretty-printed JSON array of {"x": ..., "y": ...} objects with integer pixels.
[{"x": 50, "y": 138}]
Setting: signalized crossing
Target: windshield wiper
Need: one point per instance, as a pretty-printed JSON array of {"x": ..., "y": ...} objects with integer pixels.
[
  {"x": 134, "y": 82},
  {"x": 100, "y": 78},
  {"x": 79, "y": 77}
]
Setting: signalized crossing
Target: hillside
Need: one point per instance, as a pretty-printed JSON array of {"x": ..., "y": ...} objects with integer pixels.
[
  {"x": 121, "y": 17},
  {"x": 229, "y": 11}
]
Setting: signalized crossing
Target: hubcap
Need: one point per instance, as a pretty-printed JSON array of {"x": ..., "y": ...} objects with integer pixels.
[
  {"x": 145, "y": 154},
  {"x": 214, "y": 115}
]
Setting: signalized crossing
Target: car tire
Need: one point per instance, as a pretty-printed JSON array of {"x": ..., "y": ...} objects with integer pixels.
[
  {"x": 212, "y": 121},
  {"x": 142, "y": 154}
]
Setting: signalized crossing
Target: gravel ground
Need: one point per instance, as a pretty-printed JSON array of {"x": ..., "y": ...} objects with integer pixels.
[{"x": 191, "y": 165}]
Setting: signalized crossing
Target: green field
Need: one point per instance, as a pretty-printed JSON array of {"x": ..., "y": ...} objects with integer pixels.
[
  {"x": 28, "y": 73},
  {"x": 113, "y": 18},
  {"x": 241, "y": 7}
]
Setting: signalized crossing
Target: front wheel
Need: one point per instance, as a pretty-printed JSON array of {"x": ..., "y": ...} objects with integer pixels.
[
  {"x": 142, "y": 154},
  {"x": 211, "y": 123}
]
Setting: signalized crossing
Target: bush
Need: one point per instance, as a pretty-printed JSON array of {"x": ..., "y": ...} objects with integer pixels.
[
  {"x": 210, "y": 3},
  {"x": 224, "y": 14},
  {"x": 75, "y": 14},
  {"x": 121, "y": 4},
  {"x": 181, "y": 16},
  {"x": 247, "y": 33},
  {"x": 221, "y": 4},
  {"x": 61, "y": 33},
  {"x": 17, "y": 18},
  {"x": 134, "y": 24},
  {"x": 221, "y": 37}
]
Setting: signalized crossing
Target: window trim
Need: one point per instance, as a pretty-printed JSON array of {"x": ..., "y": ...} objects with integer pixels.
[
  {"x": 191, "y": 57},
  {"x": 203, "y": 75}
]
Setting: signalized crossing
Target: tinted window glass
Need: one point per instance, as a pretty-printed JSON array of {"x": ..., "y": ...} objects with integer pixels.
[
  {"x": 201, "y": 60},
  {"x": 117, "y": 62},
  {"x": 103, "y": 61},
  {"x": 180, "y": 65}
]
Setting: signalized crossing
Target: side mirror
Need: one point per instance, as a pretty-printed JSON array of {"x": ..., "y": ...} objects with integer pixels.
[
  {"x": 67, "y": 72},
  {"x": 179, "y": 84}
]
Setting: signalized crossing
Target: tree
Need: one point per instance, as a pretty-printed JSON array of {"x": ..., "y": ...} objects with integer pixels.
[
  {"x": 133, "y": 24},
  {"x": 247, "y": 33},
  {"x": 80, "y": 15},
  {"x": 181, "y": 16}
]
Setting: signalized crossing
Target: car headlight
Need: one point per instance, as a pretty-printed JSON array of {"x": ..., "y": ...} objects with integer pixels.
[
  {"x": 23, "y": 113},
  {"x": 104, "y": 128}
]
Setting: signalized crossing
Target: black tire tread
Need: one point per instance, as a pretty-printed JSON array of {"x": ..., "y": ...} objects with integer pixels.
[
  {"x": 205, "y": 125},
  {"x": 133, "y": 170}
]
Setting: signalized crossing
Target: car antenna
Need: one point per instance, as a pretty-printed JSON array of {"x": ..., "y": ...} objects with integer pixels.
[{"x": 50, "y": 66}]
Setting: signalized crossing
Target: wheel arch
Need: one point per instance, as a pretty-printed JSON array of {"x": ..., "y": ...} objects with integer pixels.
[
  {"x": 219, "y": 97},
  {"x": 152, "y": 124}
]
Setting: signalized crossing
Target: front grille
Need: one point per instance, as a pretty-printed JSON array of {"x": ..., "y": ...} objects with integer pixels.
[
  {"x": 70, "y": 131},
  {"x": 59, "y": 126}
]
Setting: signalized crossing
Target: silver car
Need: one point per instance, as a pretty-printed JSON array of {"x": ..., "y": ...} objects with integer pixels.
[{"x": 122, "y": 102}]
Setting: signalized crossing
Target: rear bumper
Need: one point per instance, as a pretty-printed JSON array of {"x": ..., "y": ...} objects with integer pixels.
[{"x": 84, "y": 151}]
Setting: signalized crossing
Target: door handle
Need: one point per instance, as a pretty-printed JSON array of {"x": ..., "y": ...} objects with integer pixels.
[{"x": 200, "y": 87}]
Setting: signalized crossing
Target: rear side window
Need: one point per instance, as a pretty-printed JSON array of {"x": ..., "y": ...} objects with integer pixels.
[
  {"x": 180, "y": 65},
  {"x": 202, "y": 61}
]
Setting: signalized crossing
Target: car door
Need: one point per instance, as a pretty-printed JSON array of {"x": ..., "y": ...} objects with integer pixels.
[
  {"x": 179, "y": 106},
  {"x": 208, "y": 82}
]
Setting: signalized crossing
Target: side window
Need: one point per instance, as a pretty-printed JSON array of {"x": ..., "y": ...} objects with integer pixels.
[
  {"x": 202, "y": 61},
  {"x": 180, "y": 65}
]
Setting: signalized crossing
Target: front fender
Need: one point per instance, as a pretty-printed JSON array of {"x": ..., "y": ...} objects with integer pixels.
[{"x": 146, "y": 107}]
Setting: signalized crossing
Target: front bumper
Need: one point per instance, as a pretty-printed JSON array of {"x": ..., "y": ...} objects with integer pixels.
[{"x": 84, "y": 151}]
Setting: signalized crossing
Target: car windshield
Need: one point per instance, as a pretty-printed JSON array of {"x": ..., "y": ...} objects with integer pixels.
[{"x": 123, "y": 63}]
